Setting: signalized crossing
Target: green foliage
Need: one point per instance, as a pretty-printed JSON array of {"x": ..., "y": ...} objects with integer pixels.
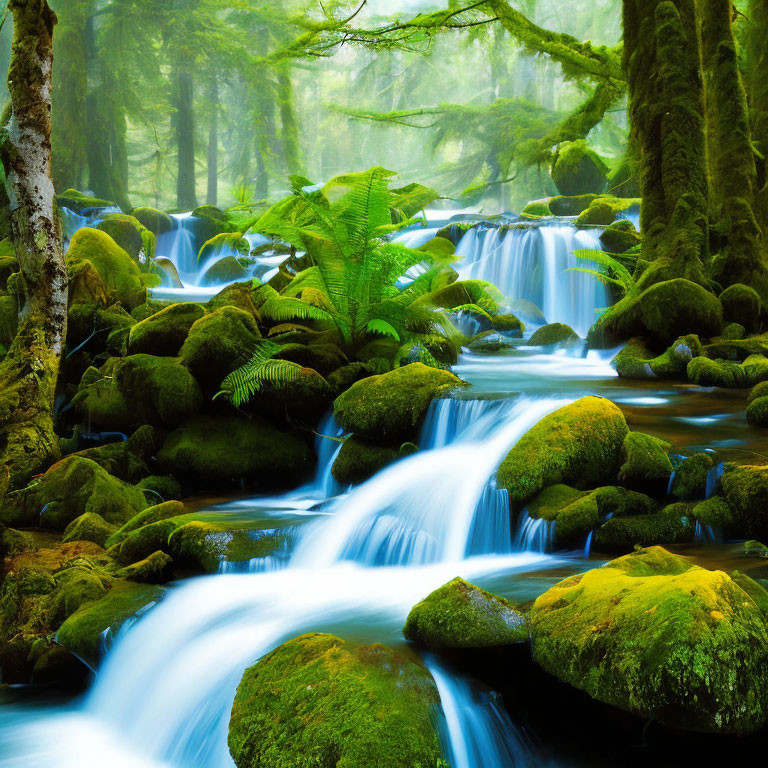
[{"x": 610, "y": 271}]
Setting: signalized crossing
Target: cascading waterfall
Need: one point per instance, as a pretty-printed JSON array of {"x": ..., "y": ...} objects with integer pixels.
[
  {"x": 531, "y": 261},
  {"x": 88, "y": 217},
  {"x": 178, "y": 246}
]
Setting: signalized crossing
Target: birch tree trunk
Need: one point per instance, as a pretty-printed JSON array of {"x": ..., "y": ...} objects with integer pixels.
[{"x": 28, "y": 374}]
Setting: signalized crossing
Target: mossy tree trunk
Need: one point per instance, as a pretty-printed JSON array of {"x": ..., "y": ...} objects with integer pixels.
[
  {"x": 29, "y": 372},
  {"x": 662, "y": 55},
  {"x": 184, "y": 123},
  {"x": 212, "y": 198},
  {"x": 732, "y": 166},
  {"x": 289, "y": 124}
]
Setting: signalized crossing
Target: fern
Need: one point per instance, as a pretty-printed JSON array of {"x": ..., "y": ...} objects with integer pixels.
[
  {"x": 610, "y": 270},
  {"x": 383, "y": 328}
]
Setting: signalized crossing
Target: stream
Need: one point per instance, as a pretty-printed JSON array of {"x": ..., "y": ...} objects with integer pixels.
[{"x": 361, "y": 558}]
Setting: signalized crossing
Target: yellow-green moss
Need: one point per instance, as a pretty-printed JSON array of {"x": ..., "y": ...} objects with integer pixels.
[
  {"x": 554, "y": 333},
  {"x": 131, "y": 235},
  {"x": 90, "y": 526},
  {"x": 360, "y": 459},
  {"x": 153, "y": 219},
  {"x": 578, "y": 170},
  {"x": 674, "y": 524},
  {"x": 645, "y": 463},
  {"x": 745, "y": 489},
  {"x": 164, "y": 332}
]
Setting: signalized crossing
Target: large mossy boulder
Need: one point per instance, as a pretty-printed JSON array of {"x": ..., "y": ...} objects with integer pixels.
[
  {"x": 658, "y": 636},
  {"x": 211, "y": 451},
  {"x": 636, "y": 361},
  {"x": 320, "y": 702},
  {"x": 579, "y": 445},
  {"x": 461, "y": 615},
  {"x": 645, "y": 463},
  {"x": 578, "y": 170},
  {"x": 90, "y": 526},
  {"x": 620, "y": 237},
  {"x": 674, "y": 524},
  {"x": 78, "y": 202},
  {"x": 745, "y": 489},
  {"x": 154, "y": 220},
  {"x": 742, "y": 304},
  {"x": 360, "y": 459},
  {"x": 604, "y": 210},
  {"x": 164, "y": 332},
  {"x": 554, "y": 333},
  {"x": 131, "y": 235},
  {"x": 724, "y": 373},
  {"x": 390, "y": 407},
  {"x": 217, "y": 344},
  {"x": 70, "y": 488},
  {"x": 118, "y": 271}
]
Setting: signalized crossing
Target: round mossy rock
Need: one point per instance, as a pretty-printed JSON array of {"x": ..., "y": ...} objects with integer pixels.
[
  {"x": 461, "y": 615},
  {"x": 131, "y": 235},
  {"x": 674, "y": 524},
  {"x": 578, "y": 170},
  {"x": 691, "y": 476},
  {"x": 390, "y": 408},
  {"x": 745, "y": 489},
  {"x": 89, "y": 527},
  {"x": 554, "y": 333},
  {"x": 655, "y": 635},
  {"x": 645, "y": 463},
  {"x": 153, "y": 219},
  {"x": 360, "y": 459},
  {"x": 226, "y": 270},
  {"x": 741, "y": 304},
  {"x": 77, "y": 201},
  {"x": 164, "y": 332},
  {"x": 579, "y": 445},
  {"x": 320, "y": 702}
]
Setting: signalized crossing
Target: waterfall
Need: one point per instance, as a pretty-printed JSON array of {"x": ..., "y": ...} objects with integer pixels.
[
  {"x": 479, "y": 730},
  {"x": 327, "y": 451},
  {"x": 88, "y": 217},
  {"x": 530, "y": 262},
  {"x": 533, "y": 534},
  {"x": 421, "y": 510},
  {"x": 178, "y": 246}
]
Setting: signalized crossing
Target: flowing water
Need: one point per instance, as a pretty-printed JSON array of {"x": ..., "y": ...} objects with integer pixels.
[{"x": 357, "y": 560}]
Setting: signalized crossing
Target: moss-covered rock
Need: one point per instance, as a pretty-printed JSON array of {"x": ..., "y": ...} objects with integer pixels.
[
  {"x": 570, "y": 205},
  {"x": 741, "y": 304},
  {"x": 226, "y": 270},
  {"x": 154, "y": 220},
  {"x": 753, "y": 548},
  {"x": 390, "y": 407},
  {"x": 745, "y": 489},
  {"x": 343, "y": 378},
  {"x": 118, "y": 459},
  {"x": 319, "y": 702},
  {"x": 209, "y": 221},
  {"x": 13, "y": 542},
  {"x": 160, "y": 487},
  {"x": 155, "y": 514},
  {"x": 91, "y": 629},
  {"x": 210, "y": 451},
  {"x": 78, "y": 202},
  {"x": 323, "y": 358},
  {"x": 620, "y": 237},
  {"x": 164, "y": 332},
  {"x": 645, "y": 463},
  {"x": 635, "y": 361},
  {"x": 217, "y": 344},
  {"x": 578, "y": 170},
  {"x": 690, "y": 480},
  {"x": 675, "y": 524},
  {"x": 139, "y": 544},
  {"x": 461, "y": 615},
  {"x": 537, "y": 209},
  {"x": 554, "y": 333},
  {"x": 604, "y": 210},
  {"x": 98, "y": 329},
  {"x": 360, "y": 459},
  {"x": 100, "y": 404},
  {"x": 89, "y": 527},
  {"x": 155, "y": 569},
  {"x": 579, "y": 444},
  {"x": 70, "y": 488},
  {"x": 131, "y": 235},
  {"x": 508, "y": 325},
  {"x": 238, "y": 295},
  {"x": 723, "y": 373},
  {"x": 757, "y": 412},
  {"x": 655, "y": 635},
  {"x": 715, "y": 513}
]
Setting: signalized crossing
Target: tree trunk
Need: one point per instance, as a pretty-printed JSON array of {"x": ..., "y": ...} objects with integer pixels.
[
  {"x": 28, "y": 374},
  {"x": 186, "y": 195},
  {"x": 662, "y": 53},
  {"x": 731, "y": 155},
  {"x": 288, "y": 123},
  {"x": 212, "y": 197}
]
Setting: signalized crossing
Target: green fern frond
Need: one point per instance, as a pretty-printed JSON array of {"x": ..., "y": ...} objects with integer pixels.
[
  {"x": 382, "y": 328},
  {"x": 281, "y": 309},
  {"x": 474, "y": 309},
  {"x": 259, "y": 373}
]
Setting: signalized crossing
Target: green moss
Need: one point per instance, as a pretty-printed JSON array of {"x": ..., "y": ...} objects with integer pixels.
[
  {"x": 131, "y": 235},
  {"x": 343, "y": 378},
  {"x": 119, "y": 273},
  {"x": 360, "y": 459},
  {"x": 742, "y": 304},
  {"x": 319, "y": 702},
  {"x": 9, "y": 320},
  {"x": 89, "y": 527},
  {"x": 391, "y": 407},
  {"x": 155, "y": 569},
  {"x": 673, "y": 525},
  {"x": 140, "y": 543},
  {"x": 225, "y": 270},
  {"x": 217, "y": 344},
  {"x": 85, "y": 632},
  {"x": 620, "y": 237},
  {"x": 323, "y": 358},
  {"x": 118, "y": 459},
  {"x": 77, "y": 201},
  {"x": 225, "y": 449},
  {"x": 722, "y": 373},
  {"x": 757, "y": 412},
  {"x": 238, "y": 295},
  {"x": 733, "y": 332},
  {"x": 645, "y": 463},
  {"x": 508, "y": 325},
  {"x": 461, "y": 615},
  {"x": 655, "y": 635},
  {"x": 161, "y": 487},
  {"x": 100, "y": 404},
  {"x": 154, "y": 220},
  {"x": 155, "y": 514},
  {"x": 690, "y": 480},
  {"x": 554, "y": 333},
  {"x": 578, "y": 170},
  {"x": 714, "y": 512},
  {"x": 112, "y": 327},
  {"x": 754, "y": 548},
  {"x": 226, "y": 241},
  {"x": 460, "y": 293},
  {"x": 570, "y": 205},
  {"x": 72, "y": 487},
  {"x": 536, "y": 209},
  {"x": 164, "y": 332},
  {"x": 209, "y": 222},
  {"x": 604, "y": 210},
  {"x": 579, "y": 444},
  {"x": 745, "y": 489}
]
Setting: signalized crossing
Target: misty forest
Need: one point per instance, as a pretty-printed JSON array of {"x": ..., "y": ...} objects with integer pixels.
[{"x": 383, "y": 383}]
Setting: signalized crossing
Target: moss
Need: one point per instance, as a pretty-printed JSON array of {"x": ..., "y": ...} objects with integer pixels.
[
  {"x": 86, "y": 286},
  {"x": 620, "y": 237},
  {"x": 745, "y": 489},
  {"x": 77, "y": 201},
  {"x": 9, "y": 320},
  {"x": 89, "y": 527},
  {"x": 99, "y": 329},
  {"x": 163, "y": 487},
  {"x": 13, "y": 542},
  {"x": 100, "y": 404},
  {"x": 604, "y": 210},
  {"x": 579, "y": 444},
  {"x": 154, "y": 220},
  {"x": 238, "y": 295},
  {"x": 323, "y": 358},
  {"x": 360, "y": 459},
  {"x": 155, "y": 569},
  {"x": 226, "y": 270},
  {"x": 164, "y": 332},
  {"x": 536, "y": 209},
  {"x": 391, "y": 407},
  {"x": 319, "y": 702},
  {"x": 459, "y": 293},
  {"x": 733, "y": 332},
  {"x": 131, "y": 235},
  {"x": 217, "y": 344},
  {"x": 119, "y": 273},
  {"x": 118, "y": 460},
  {"x": 673, "y": 525},
  {"x": 742, "y": 304},
  {"x": 229, "y": 243},
  {"x": 140, "y": 543},
  {"x": 555, "y": 333},
  {"x": 570, "y": 205},
  {"x": 70, "y": 488},
  {"x": 86, "y": 631},
  {"x": 757, "y": 412},
  {"x": 159, "y": 389},
  {"x": 343, "y": 378},
  {"x": 645, "y": 463},
  {"x": 690, "y": 480},
  {"x": 714, "y": 512},
  {"x": 461, "y": 615},
  {"x": 508, "y": 325},
  {"x": 225, "y": 449},
  {"x": 578, "y": 170},
  {"x": 721, "y": 373},
  {"x": 754, "y": 548},
  {"x": 148, "y": 516},
  {"x": 209, "y": 221}
]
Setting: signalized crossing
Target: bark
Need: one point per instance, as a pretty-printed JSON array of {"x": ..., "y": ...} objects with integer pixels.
[
  {"x": 186, "y": 195},
  {"x": 29, "y": 372},
  {"x": 213, "y": 147},
  {"x": 289, "y": 123}
]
